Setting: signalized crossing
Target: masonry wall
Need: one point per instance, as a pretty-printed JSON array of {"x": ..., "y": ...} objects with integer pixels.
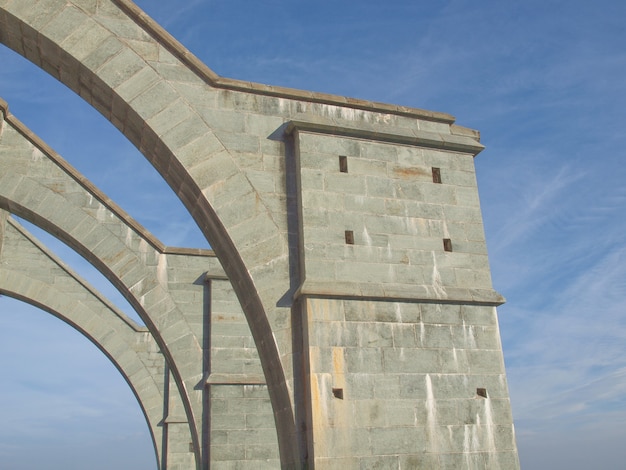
[
  {"x": 241, "y": 427},
  {"x": 407, "y": 385},
  {"x": 405, "y": 364}
]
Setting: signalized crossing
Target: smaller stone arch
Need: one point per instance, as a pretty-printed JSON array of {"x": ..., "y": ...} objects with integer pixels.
[
  {"x": 31, "y": 273},
  {"x": 41, "y": 187}
]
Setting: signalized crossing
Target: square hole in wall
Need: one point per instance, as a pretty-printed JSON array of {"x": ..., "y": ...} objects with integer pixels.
[
  {"x": 343, "y": 164},
  {"x": 349, "y": 237},
  {"x": 447, "y": 244},
  {"x": 437, "y": 175}
]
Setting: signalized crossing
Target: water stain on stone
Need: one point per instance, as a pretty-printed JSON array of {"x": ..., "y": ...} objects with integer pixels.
[{"x": 410, "y": 172}]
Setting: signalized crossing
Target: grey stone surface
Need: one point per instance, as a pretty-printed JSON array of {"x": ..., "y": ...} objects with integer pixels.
[{"x": 289, "y": 345}]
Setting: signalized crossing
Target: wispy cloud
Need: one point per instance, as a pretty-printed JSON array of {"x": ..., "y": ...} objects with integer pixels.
[
  {"x": 570, "y": 363},
  {"x": 537, "y": 201}
]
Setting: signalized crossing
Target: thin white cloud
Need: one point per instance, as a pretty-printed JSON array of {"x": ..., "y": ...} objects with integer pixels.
[{"x": 572, "y": 365}]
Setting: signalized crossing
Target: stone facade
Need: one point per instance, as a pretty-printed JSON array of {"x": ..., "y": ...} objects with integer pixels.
[{"x": 345, "y": 317}]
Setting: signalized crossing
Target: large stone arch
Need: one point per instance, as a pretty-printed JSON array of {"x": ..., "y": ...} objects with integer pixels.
[
  {"x": 101, "y": 52},
  {"x": 30, "y": 273}
]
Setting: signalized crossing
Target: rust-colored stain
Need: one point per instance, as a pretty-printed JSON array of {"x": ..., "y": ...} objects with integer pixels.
[
  {"x": 114, "y": 258},
  {"x": 410, "y": 172},
  {"x": 338, "y": 366},
  {"x": 57, "y": 187}
]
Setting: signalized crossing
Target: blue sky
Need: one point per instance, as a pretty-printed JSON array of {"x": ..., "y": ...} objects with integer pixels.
[{"x": 544, "y": 83}]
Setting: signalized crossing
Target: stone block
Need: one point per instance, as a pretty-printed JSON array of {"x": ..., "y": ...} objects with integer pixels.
[
  {"x": 57, "y": 26},
  {"x": 119, "y": 68},
  {"x": 85, "y": 39},
  {"x": 398, "y": 440},
  {"x": 404, "y": 336},
  {"x": 184, "y": 133},
  {"x": 169, "y": 117},
  {"x": 410, "y": 361},
  {"x": 485, "y": 361},
  {"x": 341, "y": 183},
  {"x": 387, "y": 462},
  {"x": 360, "y": 360},
  {"x": 227, "y": 452}
]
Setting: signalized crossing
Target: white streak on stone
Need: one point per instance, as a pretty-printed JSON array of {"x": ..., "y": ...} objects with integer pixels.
[
  {"x": 398, "y": 312},
  {"x": 366, "y": 237},
  {"x": 489, "y": 431},
  {"x": 162, "y": 269},
  {"x": 129, "y": 237},
  {"x": 431, "y": 415},
  {"x": 468, "y": 336},
  {"x": 143, "y": 250},
  {"x": 438, "y": 289},
  {"x": 101, "y": 213},
  {"x": 37, "y": 155}
]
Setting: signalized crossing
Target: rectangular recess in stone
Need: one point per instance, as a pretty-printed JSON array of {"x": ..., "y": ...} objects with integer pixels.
[
  {"x": 436, "y": 175},
  {"x": 338, "y": 393},
  {"x": 447, "y": 244},
  {"x": 191, "y": 449},
  {"x": 343, "y": 164},
  {"x": 481, "y": 392},
  {"x": 349, "y": 237}
]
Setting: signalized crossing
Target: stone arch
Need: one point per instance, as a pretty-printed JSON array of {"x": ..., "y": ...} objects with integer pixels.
[
  {"x": 256, "y": 166},
  {"x": 101, "y": 52},
  {"x": 40, "y": 187},
  {"x": 54, "y": 288}
]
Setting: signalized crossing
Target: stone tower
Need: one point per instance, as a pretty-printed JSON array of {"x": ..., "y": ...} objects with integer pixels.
[{"x": 345, "y": 317}]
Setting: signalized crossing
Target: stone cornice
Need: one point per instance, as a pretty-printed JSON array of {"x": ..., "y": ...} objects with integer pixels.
[
  {"x": 211, "y": 78},
  {"x": 398, "y": 293},
  {"x": 456, "y": 143}
]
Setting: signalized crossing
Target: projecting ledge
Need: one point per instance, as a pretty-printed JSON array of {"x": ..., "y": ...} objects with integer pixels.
[
  {"x": 235, "y": 379},
  {"x": 454, "y": 142},
  {"x": 175, "y": 420},
  {"x": 398, "y": 293}
]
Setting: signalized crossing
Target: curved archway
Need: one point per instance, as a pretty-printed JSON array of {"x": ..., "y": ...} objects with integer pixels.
[
  {"x": 42, "y": 188},
  {"x": 53, "y": 288},
  {"x": 64, "y": 404}
]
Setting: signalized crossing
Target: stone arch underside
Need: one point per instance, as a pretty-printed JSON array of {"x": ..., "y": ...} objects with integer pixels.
[
  {"x": 39, "y": 186},
  {"x": 101, "y": 53},
  {"x": 30, "y": 273}
]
